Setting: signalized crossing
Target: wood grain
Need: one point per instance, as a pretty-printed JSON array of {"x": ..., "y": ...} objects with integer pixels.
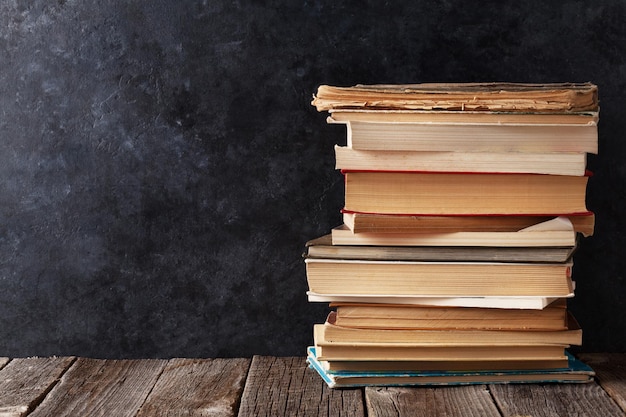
[
  {"x": 286, "y": 387},
  {"x": 97, "y": 387},
  {"x": 197, "y": 387},
  {"x": 462, "y": 401},
  {"x": 554, "y": 400},
  {"x": 24, "y": 382},
  {"x": 611, "y": 372},
  {"x": 276, "y": 386}
]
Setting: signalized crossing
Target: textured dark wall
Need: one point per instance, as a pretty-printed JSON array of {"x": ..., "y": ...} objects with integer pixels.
[{"x": 162, "y": 167}]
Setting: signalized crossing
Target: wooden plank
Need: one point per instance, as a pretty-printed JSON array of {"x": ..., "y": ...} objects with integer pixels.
[
  {"x": 287, "y": 387},
  {"x": 98, "y": 387},
  {"x": 611, "y": 373},
  {"x": 554, "y": 400},
  {"x": 25, "y": 381},
  {"x": 197, "y": 387},
  {"x": 465, "y": 401},
  {"x": 3, "y": 361}
]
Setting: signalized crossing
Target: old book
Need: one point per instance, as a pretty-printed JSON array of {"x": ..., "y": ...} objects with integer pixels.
[
  {"x": 574, "y": 371},
  {"x": 463, "y": 193},
  {"x": 397, "y": 316},
  {"x": 558, "y": 231},
  {"x": 475, "y": 138},
  {"x": 508, "y": 302},
  {"x": 571, "y": 163},
  {"x": 334, "y": 333},
  {"x": 503, "y": 97},
  {"x": 333, "y": 351},
  {"x": 462, "y": 279},
  {"x": 583, "y": 223},
  {"x": 462, "y": 117},
  {"x": 342, "y": 235},
  {"x": 323, "y": 247},
  {"x": 339, "y": 366}
]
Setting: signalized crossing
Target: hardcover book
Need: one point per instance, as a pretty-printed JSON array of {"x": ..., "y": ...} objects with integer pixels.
[
  {"x": 463, "y": 193},
  {"x": 565, "y": 163},
  {"x": 583, "y": 223},
  {"x": 508, "y": 302},
  {"x": 575, "y": 372},
  {"x": 469, "y": 279},
  {"x": 397, "y": 316},
  {"x": 473, "y": 137},
  {"x": 331, "y": 332},
  {"x": 324, "y": 248}
]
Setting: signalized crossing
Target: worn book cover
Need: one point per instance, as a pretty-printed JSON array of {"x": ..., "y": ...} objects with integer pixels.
[{"x": 575, "y": 372}]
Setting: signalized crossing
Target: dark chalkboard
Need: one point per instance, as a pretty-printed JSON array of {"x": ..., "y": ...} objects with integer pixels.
[{"x": 162, "y": 166}]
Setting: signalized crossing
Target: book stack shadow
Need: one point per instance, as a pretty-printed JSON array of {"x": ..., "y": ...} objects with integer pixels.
[{"x": 463, "y": 207}]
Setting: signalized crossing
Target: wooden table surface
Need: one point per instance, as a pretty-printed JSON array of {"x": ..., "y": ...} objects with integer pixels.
[{"x": 277, "y": 386}]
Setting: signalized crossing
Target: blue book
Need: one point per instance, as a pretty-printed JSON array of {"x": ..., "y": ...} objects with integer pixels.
[{"x": 575, "y": 372}]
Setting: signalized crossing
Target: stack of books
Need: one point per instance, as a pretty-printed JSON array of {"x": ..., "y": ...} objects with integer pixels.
[{"x": 463, "y": 206}]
